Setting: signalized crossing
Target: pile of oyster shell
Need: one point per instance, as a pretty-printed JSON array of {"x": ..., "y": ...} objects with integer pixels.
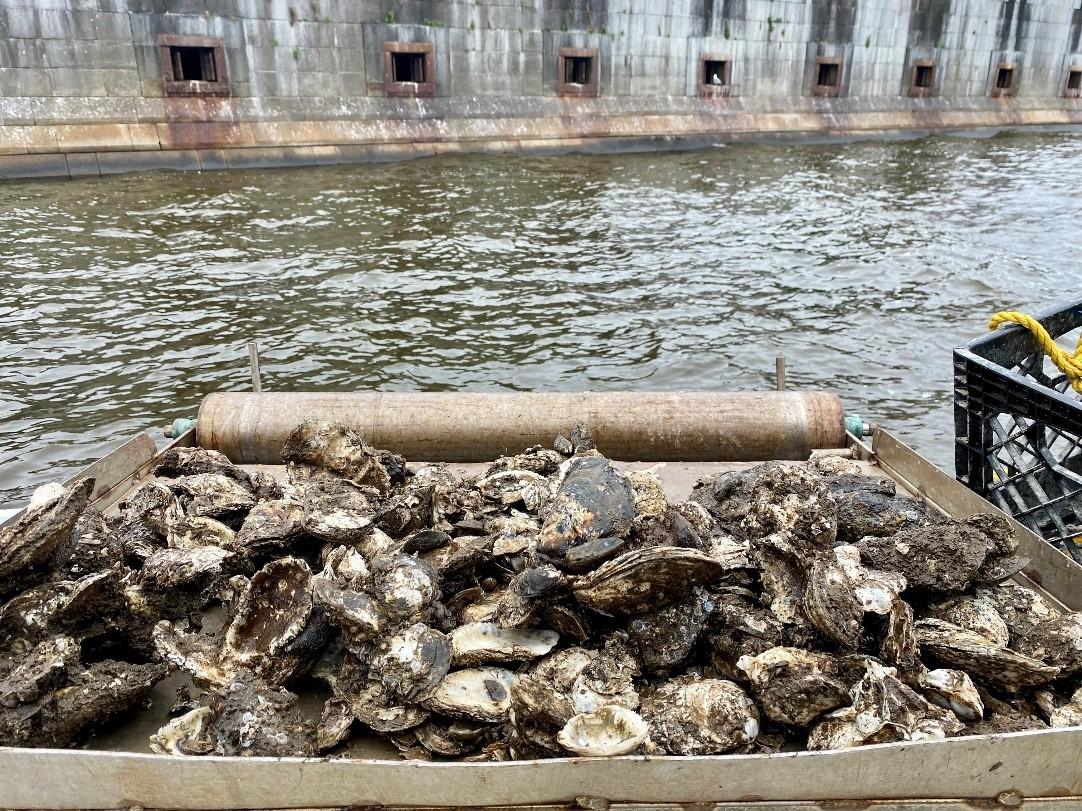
[{"x": 552, "y": 606}]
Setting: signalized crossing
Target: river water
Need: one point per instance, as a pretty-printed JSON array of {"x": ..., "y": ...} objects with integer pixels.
[{"x": 124, "y": 300}]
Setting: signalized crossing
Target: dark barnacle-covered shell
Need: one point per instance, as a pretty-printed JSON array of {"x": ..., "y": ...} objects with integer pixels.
[
  {"x": 46, "y": 523},
  {"x": 59, "y": 700},
  {"x": 594, "y": 500},
  {"x": 692, "y": 716},
  {"x": 54, "y": 606},
  {"x": 338, "y": 449},
  {"x": 177, "y": 462},
  {"x": 871, "y": 506},
  {"x": 664, "y": 639},
  {"x": 256, "y": 720},
  {"x": 643, "y": 580},
  {"x": 771, "y": 498},
  {"x": 271, "y": 527}
]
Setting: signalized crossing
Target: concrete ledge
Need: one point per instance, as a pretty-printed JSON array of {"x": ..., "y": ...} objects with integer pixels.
[{"x": 209, "y": 146}]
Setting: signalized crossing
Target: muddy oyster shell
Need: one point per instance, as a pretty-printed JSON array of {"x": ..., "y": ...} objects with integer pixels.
[
  {"x": 944, "y": 557},
  {"x": 1068, "y": 715},
  {"x": 403, "y": 586},
  {"x": 980, "y": 657},
  {"x": 689, "y": 716},
  {"x": 42, "y": 528},
  {"x": 338, "y": 449},
  {"x": 872, "y": 506},
  {"x": 354, "y": 612},
  {"x": 593, "y": 501},
  {"x": 608, "y": 731},
  {"x": 483, "y": 642},
  {"x": 646, "y": 579},
  {"x": 481, "y": 693},
  {"x": 884, "y": 709},
  {"x": 794, "y": 686},
  {"x": 175, "y": 568},
  {"x": 271, "y": 527},
  {"x": 252, "y": 719}
]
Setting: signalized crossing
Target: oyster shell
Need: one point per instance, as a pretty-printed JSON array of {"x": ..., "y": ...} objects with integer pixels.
[
  {"x": 645, "y": 579},
  {"x": 840, "y": 591},
  {"x": 689, "y": 716},
  {"x": 884, "y": 709},
  {"x": 977, "y": 613},
  {"x": 953, "y": 690},
  {"x": 188, "y": 734},
  {"x": 211, "y": 495},
  {"x": 178, "y": 568},
  {"x": 411, "y": 664},
  {"x": 255, "y": 720},
  {"x": 338, "y": 449},
  {"x": 271, "y": 527},
  {"x": 484, "y": 642},
  {"x": 607, "y": 731},
  {"x": 794, "y": 686},
  {"x": 481, "y": 693},
  {"x": 944, "y": 557},
  {"x": 403, "y": 586},
  {"x": 665, "y": 638},
  {"x": 40, "y": 530},
  {"x": 593, "y": 500},
  {"x": 980, "y": 657},
  {"x": 872, "y": 506},
  {"x": 265, "y": 636},
  {"x": 64, "y": 710},
  {"x": 509, "y": 487}
]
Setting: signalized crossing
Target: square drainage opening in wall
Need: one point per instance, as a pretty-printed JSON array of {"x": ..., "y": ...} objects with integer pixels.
[
  {"x": 577, "y": 72},
  {"x": 1074, "y": 83},
  {"x": 827, "y": 79},
  {"x": 409, "y": 69},
  {"x": 1005, "y": 77},
  {"x": 715, "y": 76},
  {"x": 193, "y": 66},
  {"x": 922, "y": 81}
]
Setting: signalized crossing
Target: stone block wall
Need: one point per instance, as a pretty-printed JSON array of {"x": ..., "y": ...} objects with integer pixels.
[{"x": 85, "y": 76}]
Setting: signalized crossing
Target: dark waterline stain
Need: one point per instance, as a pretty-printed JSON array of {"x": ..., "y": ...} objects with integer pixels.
[{"x": 124, "y": 300}]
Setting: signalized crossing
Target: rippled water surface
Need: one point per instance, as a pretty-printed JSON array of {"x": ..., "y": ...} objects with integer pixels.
[{"x": 124, "y": 300}]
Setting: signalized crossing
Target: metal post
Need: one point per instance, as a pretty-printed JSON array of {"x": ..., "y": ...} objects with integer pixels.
[
  {"x": 779, "y": 366},
  {"x": 253, "y": 362}
]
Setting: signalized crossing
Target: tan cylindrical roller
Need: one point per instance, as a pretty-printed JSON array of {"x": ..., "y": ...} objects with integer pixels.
[{"x": 473, "y": 427}]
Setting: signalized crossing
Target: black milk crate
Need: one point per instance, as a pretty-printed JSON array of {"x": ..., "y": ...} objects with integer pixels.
[{"x": 1018, "y": 429}]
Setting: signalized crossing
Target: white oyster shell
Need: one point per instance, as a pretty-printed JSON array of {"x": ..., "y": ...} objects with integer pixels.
[
  {"x": 483, "y": 693},
  {"x": 187, "y": 734},
  {"x": 608, "y": 731},
  {"x": 480, "y": 642}
]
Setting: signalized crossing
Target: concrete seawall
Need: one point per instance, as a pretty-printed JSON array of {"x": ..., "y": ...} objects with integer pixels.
[{"x": 102, "y": 86}]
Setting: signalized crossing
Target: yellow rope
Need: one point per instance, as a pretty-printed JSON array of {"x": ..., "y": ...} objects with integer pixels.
[{"x": 1068, "y": 363}]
